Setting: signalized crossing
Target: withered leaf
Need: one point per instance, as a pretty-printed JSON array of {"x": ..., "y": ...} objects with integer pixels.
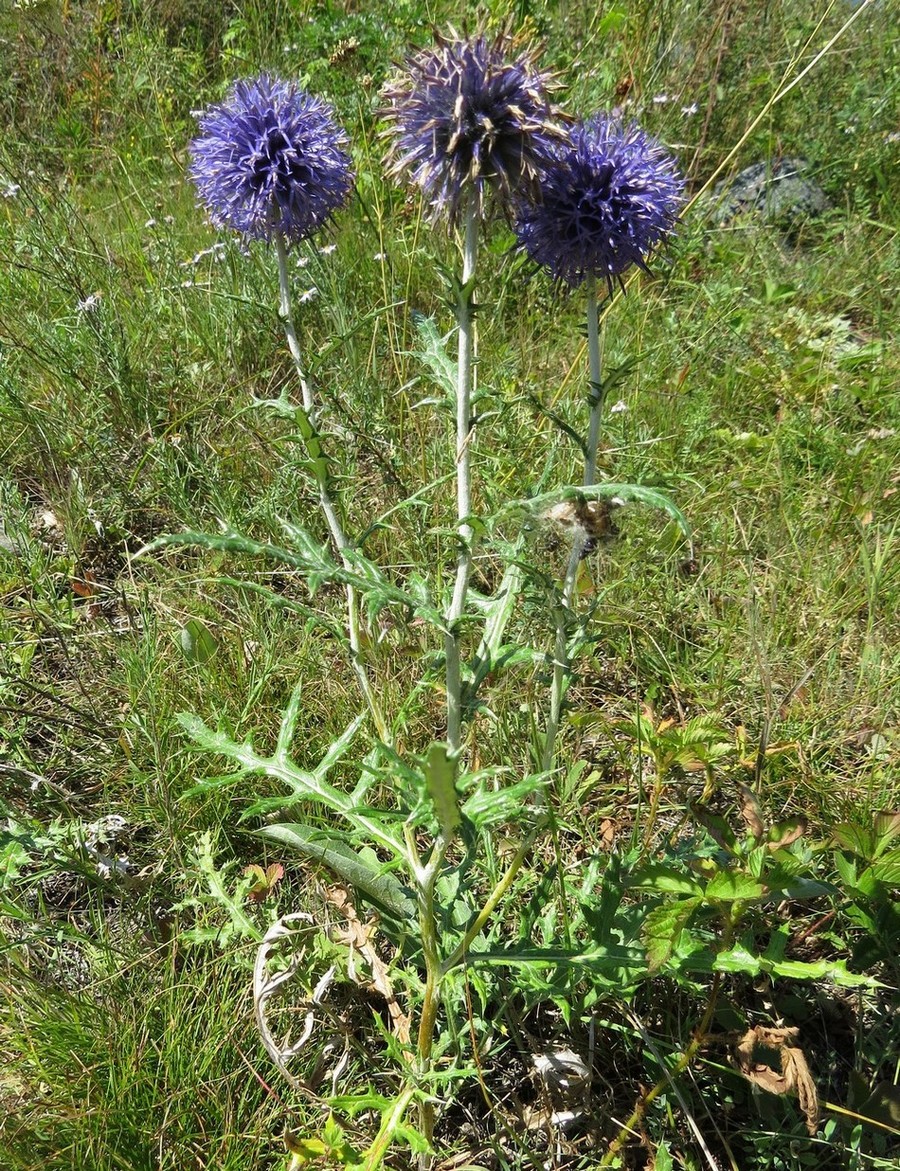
[
  {"x": 359, "y": 936},
  {"x": 786, "y": 832},
  {"x": 751, "y": 811},
  {"x": 753, "y": 1053}
]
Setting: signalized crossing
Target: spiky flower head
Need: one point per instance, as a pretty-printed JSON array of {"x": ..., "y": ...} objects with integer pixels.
[
  {"x": 609, "y": 196},
  {"x": 270, "y": 160},
  {"x": 471, "y": 117}
]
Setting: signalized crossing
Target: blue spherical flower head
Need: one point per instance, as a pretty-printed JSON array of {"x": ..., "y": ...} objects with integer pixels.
[
  {"x": 607, "y": 199},
  {"x": 270, "y": 160},
  {"x": 468, "y": 121}
]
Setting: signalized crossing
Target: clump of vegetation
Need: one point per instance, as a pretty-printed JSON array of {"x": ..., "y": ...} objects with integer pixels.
[{"x": 468, "y": 758}]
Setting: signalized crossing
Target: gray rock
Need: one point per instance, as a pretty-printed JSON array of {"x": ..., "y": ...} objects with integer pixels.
[{"x": 778, "y": 192}]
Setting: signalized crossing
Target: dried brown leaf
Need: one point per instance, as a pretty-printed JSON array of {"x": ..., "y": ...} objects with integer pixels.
[
  {"x": 752, "y": 1055},
  {"x": 751, "y": 811},
  {"x": 358, "y": 935},
  {"x": 791, "y": 831}
]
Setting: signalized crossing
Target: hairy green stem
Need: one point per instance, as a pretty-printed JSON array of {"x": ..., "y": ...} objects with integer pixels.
[
  {"x": 286, "y": 313},
  {"x": 458, "y": 955},
  {"x": 375, "y": 1155},
  {"x": 596, "y": 396},
  {"x": 434, "y": 973},
  {"x": 335, "y": 528},
  {"x": 650, "y": 1096},
  {"x": 465, "y": 323}
]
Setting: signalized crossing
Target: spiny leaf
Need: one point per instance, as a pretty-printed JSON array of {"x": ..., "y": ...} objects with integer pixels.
[{"x": 433, "y": 352}]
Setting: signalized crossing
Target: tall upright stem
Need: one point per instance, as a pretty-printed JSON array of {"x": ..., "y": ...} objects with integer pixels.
[
  {"x": 286, "y": 313},
  {"x": 596, "y": 395},
  {"x": 561, "y": 643},
  {"x": 335, "y": 528},
  {"x": 463, "y": 476}
]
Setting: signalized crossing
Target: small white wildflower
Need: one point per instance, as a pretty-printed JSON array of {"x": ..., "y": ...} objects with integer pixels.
[
  {"x": 302, "y": 261},
  {"x": 169, "y": 219},
  {"x": 380, "y": 256},
  {"x": 89, "y": 304},
  {"x": 10, "y": 190},
  {"x": 150, "y": 224},
  {"x": 691, "y": 110},
  {"x": 619, "y": 407},
  {"x": 661, "y": 99},
  {"x": 310, "y": 295},
  {"x": 327, "y": 250},
  {"x": 188, "y": 284}
]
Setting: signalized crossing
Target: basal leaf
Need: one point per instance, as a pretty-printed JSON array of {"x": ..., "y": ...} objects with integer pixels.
[
  {"x": 196, "y": 641},
  {"x": 666, "y": 879},
  {"x": 381, "y": 887}
]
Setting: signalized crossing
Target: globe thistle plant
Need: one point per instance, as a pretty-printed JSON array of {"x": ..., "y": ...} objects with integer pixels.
[
  {"x": 471, "y": 125},
  {"x": 270, "y": 161},
  {"x": 610, "y": 195},
  {"x": 468, "y": 121}
]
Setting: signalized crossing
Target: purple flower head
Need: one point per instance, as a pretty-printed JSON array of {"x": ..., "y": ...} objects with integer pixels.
[
  {"x": 465, "y": 120},
  {"x": 607, "y": 199},
  {"x": 270, "y": 160}
]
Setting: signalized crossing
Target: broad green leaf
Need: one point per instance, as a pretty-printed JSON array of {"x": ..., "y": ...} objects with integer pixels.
[
  {"x": 13, "y": 860},
  {"x": 440, "y": 777},
  {"x": 737, "y": 959},
  {"x": 867, "y": 883},
  {"x": 197, "y": 643},
  {"x": 656, "y": 876},
  {"x": 740, "y": 959},
  {"x": 887, "y": 827},
  {"x": 855, "y": 838},
  {"x": 834, "y": 970},
  {"x": 381, "y": 887},
  {"x": 662, "y": 928},
  {"x": 729, "y": 885},
  {"x": 887, "y": 868}
]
